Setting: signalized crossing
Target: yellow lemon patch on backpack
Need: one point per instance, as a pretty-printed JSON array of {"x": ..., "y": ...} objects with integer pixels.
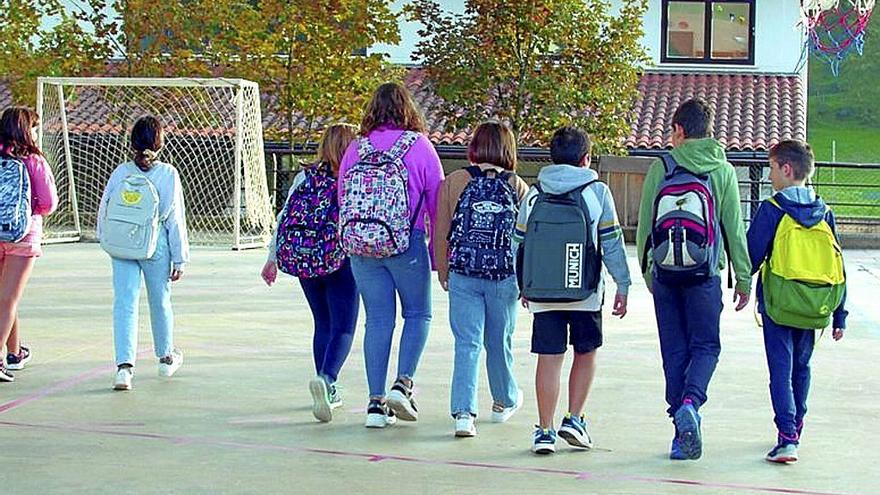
[
  {"x": 131, "y": 198},
  {"x": 804, "y": 279}
]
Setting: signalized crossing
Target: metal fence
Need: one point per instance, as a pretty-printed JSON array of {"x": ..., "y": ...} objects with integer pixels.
[{"x": 851, "y": 189}]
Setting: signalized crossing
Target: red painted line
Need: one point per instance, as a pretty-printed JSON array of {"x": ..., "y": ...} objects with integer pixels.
[
  {"x": 579, "y": 475},
  {"x": 62, "y": 385}
]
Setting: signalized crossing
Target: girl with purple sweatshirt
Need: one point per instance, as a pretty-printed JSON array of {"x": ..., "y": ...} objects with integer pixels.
[
  {"x": 392, "y": 122},
  {"x": 18, "y": 142}
]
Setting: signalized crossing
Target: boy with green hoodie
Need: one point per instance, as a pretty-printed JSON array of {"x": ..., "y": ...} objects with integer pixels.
[{"x": 690, "y": 208}]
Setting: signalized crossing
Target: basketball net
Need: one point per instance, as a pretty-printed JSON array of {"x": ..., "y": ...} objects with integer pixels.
[{"x": 834, "y": 29}]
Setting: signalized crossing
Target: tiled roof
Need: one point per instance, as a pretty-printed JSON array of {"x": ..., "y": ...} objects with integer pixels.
[{"x": 752, "y": 112}]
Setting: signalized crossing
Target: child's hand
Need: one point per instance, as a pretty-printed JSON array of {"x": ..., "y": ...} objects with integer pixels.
[
  {"x": 444, "y": 283},
  {"x": 743, "y": 299},
  {"x": 176, "y": 274},
  {"x": 269, "y": 272},
  {"x": 837, "y": 333},
  {"x": 524, "y": 302},
  {"x": 619, "y": 305}
]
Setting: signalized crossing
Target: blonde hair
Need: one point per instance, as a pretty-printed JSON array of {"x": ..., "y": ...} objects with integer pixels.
[
  {"x": 494, "y": 143},
  {"x": 333, "y": 144}
]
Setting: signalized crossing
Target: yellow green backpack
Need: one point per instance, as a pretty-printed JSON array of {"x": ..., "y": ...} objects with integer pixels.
[{"x": 804, "y": 280}]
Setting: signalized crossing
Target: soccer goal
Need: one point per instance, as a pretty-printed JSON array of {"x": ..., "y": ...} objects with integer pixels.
[{"x": 213, "y": 136}]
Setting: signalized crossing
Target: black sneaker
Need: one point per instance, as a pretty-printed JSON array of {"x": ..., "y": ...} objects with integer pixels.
[
  {"x": 379, "y": 415},
  {"x": 401, "y": 401},
  {"x": 5, "y": 375},
  {"x": 16, "y": 362}
]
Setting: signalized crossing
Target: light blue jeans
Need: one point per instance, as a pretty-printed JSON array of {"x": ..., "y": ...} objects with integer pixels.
[
  {"x": 126, "y": 293},
  {"x": 482, "y": 313},
  {"x": 380, "y": 281}
]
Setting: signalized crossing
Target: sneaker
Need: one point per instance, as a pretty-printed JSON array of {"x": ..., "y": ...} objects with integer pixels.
[
  {"x": 401, "y": 401},
  {"x": 574, "y": 431},
  {"x": 5, "y": 375},
  {"x": 124, "y": 374},
  {"x": 335, "y": 397},
  {"x": 464, "y": 425},
  {"x": 675, "y": 452},
  {"x": 783, "y": 453},
  {"x": 545, "y": 440},
  {"x": 321, "y": 407},
  {"x": 379, "y": 415},
  {"x": 16, "y": 362},
  {"x": 500, "y": 413},
  {"x": 169, "y": 364},
  {"x": 687, "y": 424}
]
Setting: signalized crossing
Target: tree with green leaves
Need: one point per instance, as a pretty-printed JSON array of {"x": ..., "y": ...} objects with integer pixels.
[{"x": 536, "y": 64}]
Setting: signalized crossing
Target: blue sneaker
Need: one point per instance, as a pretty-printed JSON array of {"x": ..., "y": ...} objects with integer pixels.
[
  {"x": 574, "y": 431},
  {"x": 687, "y": 424},
  {"x": 785, "y": 452},
  {"x": 675, "y": 452},
  {"x": 545, "y": 441}
]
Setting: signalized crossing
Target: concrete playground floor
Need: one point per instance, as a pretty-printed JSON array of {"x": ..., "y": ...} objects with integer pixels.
[{"x": 237, "y": 417}]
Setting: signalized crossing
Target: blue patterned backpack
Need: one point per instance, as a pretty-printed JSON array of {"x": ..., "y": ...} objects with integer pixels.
[
  {"x": 482, "y": 227},
  {"x": 15, "y": 199},
  {"x": 307, "y": 241}
]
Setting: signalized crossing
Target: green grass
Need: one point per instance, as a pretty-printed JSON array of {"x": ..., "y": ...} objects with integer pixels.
[{"x": 854, "y": 144}]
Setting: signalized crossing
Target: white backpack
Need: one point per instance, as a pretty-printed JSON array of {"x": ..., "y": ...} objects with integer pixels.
[{"x": 130, "y": 226}]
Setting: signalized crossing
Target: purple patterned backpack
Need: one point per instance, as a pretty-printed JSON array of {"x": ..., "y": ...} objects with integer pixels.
[
  {"x": 307, "y": 241},
  {"x": 374, "y": 204}
]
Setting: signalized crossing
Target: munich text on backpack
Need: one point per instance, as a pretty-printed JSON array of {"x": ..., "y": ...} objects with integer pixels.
[
  {"x": 480, "y": 237},
  {"x": 307, "y": 241},
  {"x": 560, "y": 260},
  {"x": 804, "y": 280},
  {"x": 15, "y": 199},
  {"x": 374, "y": 204},
  {"x": 130, "y": 227},
  {"x": 684, "y": 239}
]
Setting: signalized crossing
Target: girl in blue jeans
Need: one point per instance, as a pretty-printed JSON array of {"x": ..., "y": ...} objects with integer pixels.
[
  {"x": 332, "y": 297},
  {"x": 165, "y": 266},
  {"x": 407, "y": 275},
  {"x": 482, "y": 298}
]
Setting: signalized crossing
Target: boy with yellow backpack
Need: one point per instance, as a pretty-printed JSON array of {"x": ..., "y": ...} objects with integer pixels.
[{"x": 802, "y": 287}]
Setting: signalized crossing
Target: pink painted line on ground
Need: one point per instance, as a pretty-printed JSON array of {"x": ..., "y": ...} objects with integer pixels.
[
  {"x": 62, "y": 385},
  {"x": 579, "y": 475}
]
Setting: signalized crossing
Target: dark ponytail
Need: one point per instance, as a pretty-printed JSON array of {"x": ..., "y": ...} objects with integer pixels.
[{"x": 147, "y": 139}]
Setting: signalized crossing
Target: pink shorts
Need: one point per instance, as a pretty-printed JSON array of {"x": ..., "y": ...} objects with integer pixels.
[{"x": 29, "y": 247}]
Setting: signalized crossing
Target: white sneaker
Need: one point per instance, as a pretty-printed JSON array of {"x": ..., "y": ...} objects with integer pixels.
[
  {"x": 464, "y": 425},
  {"x": 169, "y": 364},
  {"x": 501, "y": 414},
  {"x": 123, "y": 378},
  {"x": 321, "y": 407},
  {"x": 379, "y": 415}
]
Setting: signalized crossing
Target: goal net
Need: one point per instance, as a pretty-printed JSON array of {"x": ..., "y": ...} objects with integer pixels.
[{"x": 213, "y": 136}]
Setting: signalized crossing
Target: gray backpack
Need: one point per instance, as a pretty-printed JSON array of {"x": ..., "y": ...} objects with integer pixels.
[
  {"x": 130, "y": 226},
  {"x": 559, "y": 260}
]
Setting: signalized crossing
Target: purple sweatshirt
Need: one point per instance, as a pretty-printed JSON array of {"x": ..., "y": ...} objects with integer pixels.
[{"x": 423, "y": 168}]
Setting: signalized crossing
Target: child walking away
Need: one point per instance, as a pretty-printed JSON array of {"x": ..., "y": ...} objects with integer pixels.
[
  {"x": 802, "y": 287},
  {"x": 27, "y": 194},
  {"x": 142, "y": 226},
  {"x": 306, "y": 245},
  {"x": 689, "y": 211},
  {"x": 473, "y": 245},
  {"x": 388, "y": 180},
  {"x": 568, "y": 227}
]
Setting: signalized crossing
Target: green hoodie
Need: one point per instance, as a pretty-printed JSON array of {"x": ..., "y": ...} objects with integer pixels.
[{"x": 702, "y": 156}]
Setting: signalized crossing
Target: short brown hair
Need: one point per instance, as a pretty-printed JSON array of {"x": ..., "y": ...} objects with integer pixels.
[
  {"x": 334, "y": 142},
  {"x": 494, "y": 143},
  {"x": 392, "y": 105},
  {"x": 15, "y": 131},
  {"x": 797, "y": 154}
]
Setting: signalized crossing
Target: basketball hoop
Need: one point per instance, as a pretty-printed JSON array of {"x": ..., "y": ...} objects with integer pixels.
[{"x": 835, "y": 28}]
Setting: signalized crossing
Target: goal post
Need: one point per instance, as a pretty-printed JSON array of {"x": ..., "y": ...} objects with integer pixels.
[{"x": 213, "y": 136}]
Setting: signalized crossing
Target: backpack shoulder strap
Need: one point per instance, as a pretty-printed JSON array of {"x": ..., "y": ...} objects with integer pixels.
[
  {"x": 474, "y": 171},
  {"x": 403, "y": 144},
  {"x": 365, "y": 147},
  {"x": 669, "y": 164}
]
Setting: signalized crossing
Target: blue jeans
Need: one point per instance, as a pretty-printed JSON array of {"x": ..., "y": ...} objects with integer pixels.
[
  {"x": 482, "y": 313},
  {"x": 688, "y": 321},
  {"x": 127, "y": 275},
  {"x": 333, "y": 300},
  {"x": 788, "y": 356},
  {"x": 380, "y": 281}
]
